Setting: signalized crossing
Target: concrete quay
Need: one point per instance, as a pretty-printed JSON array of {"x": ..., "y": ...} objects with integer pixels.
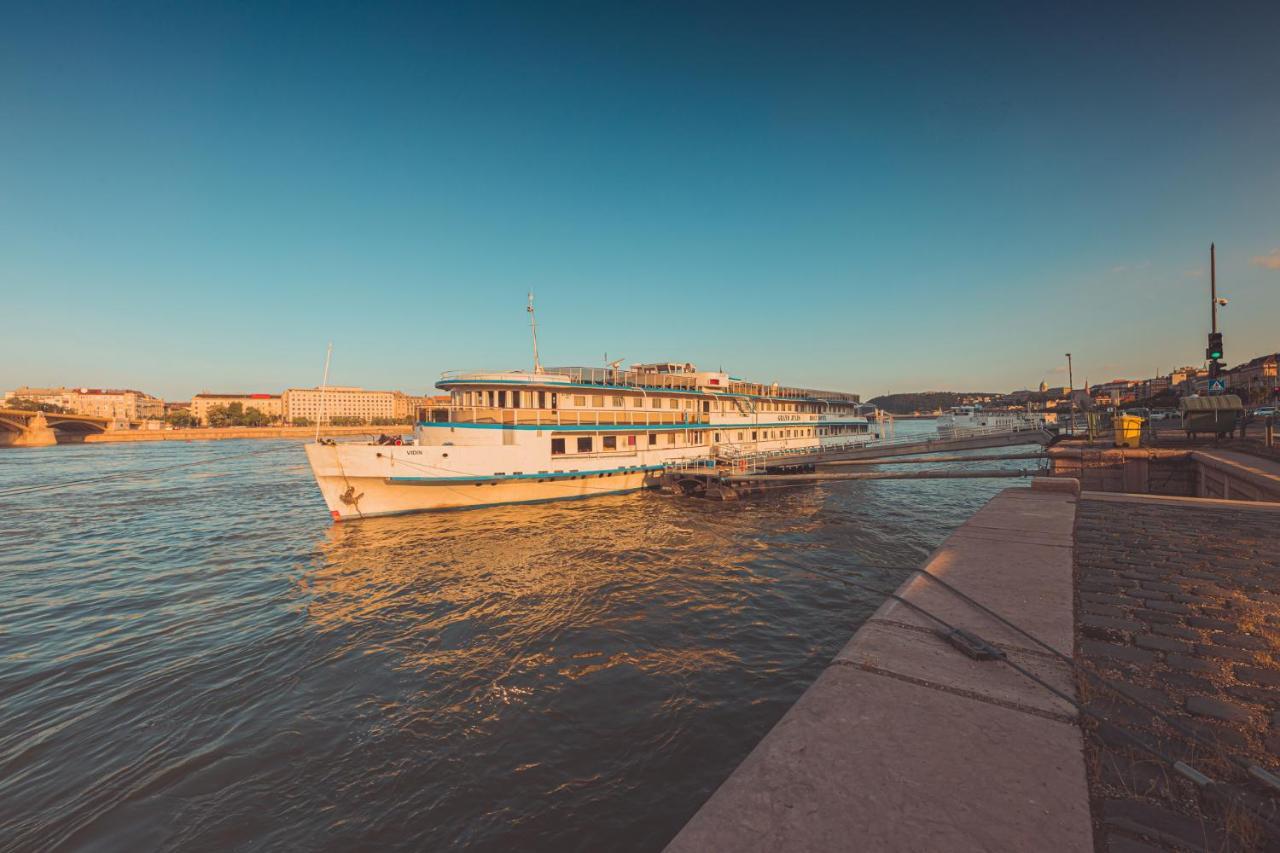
[
  {"x": 1206, "y": 472},
  {"x": 904, "y": 743}
]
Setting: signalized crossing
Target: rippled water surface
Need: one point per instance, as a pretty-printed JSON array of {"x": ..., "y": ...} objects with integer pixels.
[{"x": 197, "y": 659}]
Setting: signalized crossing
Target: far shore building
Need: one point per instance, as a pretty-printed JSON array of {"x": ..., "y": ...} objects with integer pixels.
[
  {"x": 271, "y": 405},
  {"x": 119, "y": 404},
  {"x": 319, "y": 405},
  {"x": 1258, "y": 378}
]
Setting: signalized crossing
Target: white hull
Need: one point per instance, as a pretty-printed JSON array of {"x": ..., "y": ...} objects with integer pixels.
[{"x": 368, "y": 497}]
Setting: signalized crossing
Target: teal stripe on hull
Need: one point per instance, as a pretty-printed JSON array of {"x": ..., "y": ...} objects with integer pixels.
[{"x": 491, "y": 505}]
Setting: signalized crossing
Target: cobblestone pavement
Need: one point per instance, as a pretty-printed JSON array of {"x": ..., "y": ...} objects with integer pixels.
[{"x": 1180, "y": 608}]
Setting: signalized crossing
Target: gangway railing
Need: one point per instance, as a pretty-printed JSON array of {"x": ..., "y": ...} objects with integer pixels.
[{"x": 758, "y": 462}]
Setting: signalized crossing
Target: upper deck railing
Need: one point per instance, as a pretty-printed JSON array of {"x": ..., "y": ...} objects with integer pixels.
[
  {"x": 608, "y": 377},
  {"x": 638, "y": 418}
]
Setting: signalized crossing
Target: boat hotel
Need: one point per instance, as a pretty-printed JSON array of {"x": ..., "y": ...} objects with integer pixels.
[{"x": 574, "y": 432}]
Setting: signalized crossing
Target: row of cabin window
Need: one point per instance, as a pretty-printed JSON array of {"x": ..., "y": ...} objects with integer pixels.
[
  {"x": 845, "y": 430},
  {"x": 504, "y": 399},
  {"x": 586, "y": 443},
  {"x": 769, "y": 434}
]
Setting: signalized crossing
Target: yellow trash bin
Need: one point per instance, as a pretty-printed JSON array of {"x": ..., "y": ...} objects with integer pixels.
[{"x": 1128, "y": 430}]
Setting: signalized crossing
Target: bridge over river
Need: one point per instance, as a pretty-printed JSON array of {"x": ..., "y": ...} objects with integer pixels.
[{"x": 25, "y": 428}]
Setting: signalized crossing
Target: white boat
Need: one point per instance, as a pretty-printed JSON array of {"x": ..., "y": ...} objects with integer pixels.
[
  {"x": 574, "y": 432},
  {"x": 963, "y": 419}
]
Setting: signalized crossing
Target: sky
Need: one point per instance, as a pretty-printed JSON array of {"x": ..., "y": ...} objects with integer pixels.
[{"x": 864, "y": 197}]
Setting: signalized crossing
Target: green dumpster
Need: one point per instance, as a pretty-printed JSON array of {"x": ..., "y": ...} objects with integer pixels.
[{"x": 1218, "y": 414}]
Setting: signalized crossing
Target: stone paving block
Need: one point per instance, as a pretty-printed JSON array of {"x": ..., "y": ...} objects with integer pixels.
[
  {"x": 1162, "y": 644},
  {"x": 1173, "y": 630},
  {"x": 1189, "y": 663},
  {"x": 1170, "y": 607},
  {"x": 1096, "y": 609},
  {"x": 1225, "y": 653},
  {"x": 1122, "y": 844},
  {"x": 1219, "y": 709},
  {"x": 1260, "y": 695},
  {"x": 1187, "y": 682},
  {"x": 1116, "y": 651},
  {"x": 1209, "y": 623},
  {"x": 1160, "y": 824},
  {"x": 1258, "y": 675},
  {"x": 1107, "y": 627},
  {"x": 1240, "y": 641}
]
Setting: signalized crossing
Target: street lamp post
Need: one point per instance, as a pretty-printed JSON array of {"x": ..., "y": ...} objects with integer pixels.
[{"x": 1071, "y": 392}]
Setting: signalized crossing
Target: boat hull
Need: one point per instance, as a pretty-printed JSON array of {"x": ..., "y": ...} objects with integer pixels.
[{"x": 349, "y": 495}]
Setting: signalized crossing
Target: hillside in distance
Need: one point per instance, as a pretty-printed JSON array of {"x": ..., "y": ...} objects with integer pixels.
[{"x": 929, "y": 401}]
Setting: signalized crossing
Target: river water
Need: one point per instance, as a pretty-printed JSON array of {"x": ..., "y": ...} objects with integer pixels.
[{"x": 197, "y": 659}]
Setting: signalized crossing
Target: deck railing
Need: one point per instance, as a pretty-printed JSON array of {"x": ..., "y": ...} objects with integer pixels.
[
  {"x": 619, "y": 378},
  {"x": 551, "y": 418}
]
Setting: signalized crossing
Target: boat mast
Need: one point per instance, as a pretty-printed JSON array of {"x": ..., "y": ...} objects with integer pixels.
[
  {"x": 533, "y": 326},
  {"x": 323, "y": 382}
]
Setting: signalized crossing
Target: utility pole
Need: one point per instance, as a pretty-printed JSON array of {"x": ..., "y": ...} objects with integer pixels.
[{"x": 1214, "y": 352}]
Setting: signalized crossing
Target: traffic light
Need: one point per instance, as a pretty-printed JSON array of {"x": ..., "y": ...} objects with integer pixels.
[{"x": 1214, "y": 352}]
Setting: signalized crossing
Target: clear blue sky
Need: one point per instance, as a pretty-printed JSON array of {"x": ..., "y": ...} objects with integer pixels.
[{"x": 936, "y": 196}]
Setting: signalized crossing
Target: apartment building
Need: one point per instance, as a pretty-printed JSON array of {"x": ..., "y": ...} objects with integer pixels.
[
  {"x": 271, "y": 405},
  {"x": 119, "y": 404}
]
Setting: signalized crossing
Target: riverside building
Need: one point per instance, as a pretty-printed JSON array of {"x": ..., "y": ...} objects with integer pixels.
[
  {"x": 271, "y": 405},
  {"x": 119, "y": 404}
]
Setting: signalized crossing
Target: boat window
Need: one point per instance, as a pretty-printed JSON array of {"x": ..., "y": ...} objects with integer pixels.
[
  {"x": 655, "y": 403},
  {"x": 557, "y": 447},
  {"x": 542, "y": 399},
  {"x": 674, "y": 403},
  {"x": 717, "y": 438},
  {"x": 739, "y": 435},
  {"x": 653, "y": 439},
  {"x": 753, "y": 435},
  {"x": 584, "y": 444},
  {"x": 618, "y": 402},
  {"x": 671, "y": 438},
  {"x": 637, "y": 402},
  {"x": 597, "y": 401},
  {"x": 706, "y": 406},
  {"x": 631, "y": 441},
  {"x": 579, "y": 400},
  {"x": 515, "y": 399},
  {"x": 610, "y": 442}
]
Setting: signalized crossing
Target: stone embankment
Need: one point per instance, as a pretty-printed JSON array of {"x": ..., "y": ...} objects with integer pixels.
[{"x": 214, "y": 434}]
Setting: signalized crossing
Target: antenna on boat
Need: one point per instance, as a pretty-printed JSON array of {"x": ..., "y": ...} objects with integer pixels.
[
  {"x": 323, "y": 382},
  {"x": 533, "y": 325}
]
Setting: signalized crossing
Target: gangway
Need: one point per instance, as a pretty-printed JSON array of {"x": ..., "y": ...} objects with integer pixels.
[{"x": 728, "y": 472}]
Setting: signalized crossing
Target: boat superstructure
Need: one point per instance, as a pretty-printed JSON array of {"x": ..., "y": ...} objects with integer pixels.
[
  {"x": 962, "y": 419},
  {"x": 574, "y": 432}
]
